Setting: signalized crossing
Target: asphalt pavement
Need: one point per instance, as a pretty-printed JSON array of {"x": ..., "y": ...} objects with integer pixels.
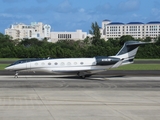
[
  {"x": 106, "y": 73},
  {"x": 71, "y": 98}
]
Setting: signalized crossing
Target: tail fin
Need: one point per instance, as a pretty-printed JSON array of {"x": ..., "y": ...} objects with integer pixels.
[{"x": 128, "y": 51}]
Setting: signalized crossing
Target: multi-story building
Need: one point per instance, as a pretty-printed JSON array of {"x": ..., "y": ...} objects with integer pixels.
[
  {"x": 41, "y": 31},
  {"x": 136, "y": 29},
  {"x": 35, "y": 30},
  {"x": 78, "y": 35}
]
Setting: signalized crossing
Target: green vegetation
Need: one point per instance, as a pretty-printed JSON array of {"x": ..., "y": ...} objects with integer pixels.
[
  {"x": 146, "y": 59},
  {"x": 139, "y": 67},
  {"x": 89, "y": 47},
  {"x": 9, "y": 59},
  {"x": 2, "y": 66}
]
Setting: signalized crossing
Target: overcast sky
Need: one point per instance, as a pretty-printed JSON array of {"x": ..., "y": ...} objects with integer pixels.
[{"x": 70, "y": 15}]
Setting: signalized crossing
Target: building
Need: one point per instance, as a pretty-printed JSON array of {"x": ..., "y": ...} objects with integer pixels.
[
  {"x": 136, "y": 29},
  {"x": 41, "y": 31},
  {"x": 35, "y": 30},
  {"x": 78, "y": 35}
]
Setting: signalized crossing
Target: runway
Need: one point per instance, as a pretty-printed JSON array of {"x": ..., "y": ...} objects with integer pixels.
[
  {"x": 108, "y": 73},
  {"x": 71, "y": 98}
]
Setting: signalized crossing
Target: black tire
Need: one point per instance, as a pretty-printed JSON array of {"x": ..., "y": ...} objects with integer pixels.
[{"x": 84, "y": 76}]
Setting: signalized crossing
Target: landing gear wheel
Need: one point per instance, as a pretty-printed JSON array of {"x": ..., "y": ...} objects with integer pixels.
[
  {"x": 16, "y": 74},
  {"x": 83, "y": 76},
  {"x": 88, "y": 75}
]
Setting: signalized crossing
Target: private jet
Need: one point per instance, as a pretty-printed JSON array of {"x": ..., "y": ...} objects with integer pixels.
[{"x": 83, "y": 67}]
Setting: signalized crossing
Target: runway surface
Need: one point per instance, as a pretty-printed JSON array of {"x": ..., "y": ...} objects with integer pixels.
[
  {"x": 108, "y": 73},
  {"x": 71, "y": 98}
]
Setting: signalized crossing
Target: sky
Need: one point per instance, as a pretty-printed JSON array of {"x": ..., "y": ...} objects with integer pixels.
[{"x": 70, "y": 15}]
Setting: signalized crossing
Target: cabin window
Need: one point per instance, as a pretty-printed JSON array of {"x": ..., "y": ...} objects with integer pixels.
[
  {"x": 49, "y": 63},
  {"x": 68, "y": 63},
  {"x": 75, "y": 63},
  {"x": 81, "y": 63},
  {"x": 56, "y": 63},
  {"x": 43, "y": 63},
  {"x": 62, "y": 63}
]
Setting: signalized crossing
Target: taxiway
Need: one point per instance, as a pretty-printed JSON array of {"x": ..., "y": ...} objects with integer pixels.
[{"x": 71, "y": 98}]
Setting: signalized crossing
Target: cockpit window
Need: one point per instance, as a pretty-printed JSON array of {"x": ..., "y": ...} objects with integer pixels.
[{"x": 19, "y": 61}]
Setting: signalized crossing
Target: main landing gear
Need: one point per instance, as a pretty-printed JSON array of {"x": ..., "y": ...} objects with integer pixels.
[
  {"x": 16, "y": 74},
  {"x": 82, "y": 75}
]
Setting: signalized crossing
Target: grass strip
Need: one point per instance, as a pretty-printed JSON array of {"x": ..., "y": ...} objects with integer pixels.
[
  {"x": 139, "y": 67},
  {"x": 146, "y": 59},
  {"x": 2, "y": 66},
  {"x": 9, "y": 59}
]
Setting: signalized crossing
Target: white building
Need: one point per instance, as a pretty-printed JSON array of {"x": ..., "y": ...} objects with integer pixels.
[
  {"x": 78, "y": 35},
  {"x": 41, "y": 31},
  {"x": 136, "y": 29},
  {"x": 35, "y": 30}
]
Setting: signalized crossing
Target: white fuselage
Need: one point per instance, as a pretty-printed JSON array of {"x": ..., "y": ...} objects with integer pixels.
[{"x": 59, "y": 65}]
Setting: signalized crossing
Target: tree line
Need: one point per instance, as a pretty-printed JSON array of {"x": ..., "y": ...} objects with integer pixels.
[{"x": 89, "y": 47}]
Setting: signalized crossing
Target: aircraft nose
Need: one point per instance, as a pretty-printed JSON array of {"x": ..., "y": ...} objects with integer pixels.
[{"x": 8, "y": 68}]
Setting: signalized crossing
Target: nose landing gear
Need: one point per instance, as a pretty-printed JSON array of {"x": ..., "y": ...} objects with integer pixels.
[{"x": 16, "y": 74}]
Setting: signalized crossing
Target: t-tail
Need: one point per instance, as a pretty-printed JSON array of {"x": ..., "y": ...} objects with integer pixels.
[{"x": 128, "y": 52}]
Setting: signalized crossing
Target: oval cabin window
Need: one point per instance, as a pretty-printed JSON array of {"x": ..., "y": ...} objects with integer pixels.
[
  {"x": 81, "y": 63},
  {"x": 62, "y": 63},
  {"x": 68, "y": 63}
]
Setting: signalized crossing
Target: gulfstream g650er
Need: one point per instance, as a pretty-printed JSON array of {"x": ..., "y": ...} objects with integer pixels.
[{"x": 81, "y": 66}]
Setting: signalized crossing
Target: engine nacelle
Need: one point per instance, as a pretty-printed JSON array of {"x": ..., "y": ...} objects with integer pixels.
[{"x": 104, "y": 60}]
